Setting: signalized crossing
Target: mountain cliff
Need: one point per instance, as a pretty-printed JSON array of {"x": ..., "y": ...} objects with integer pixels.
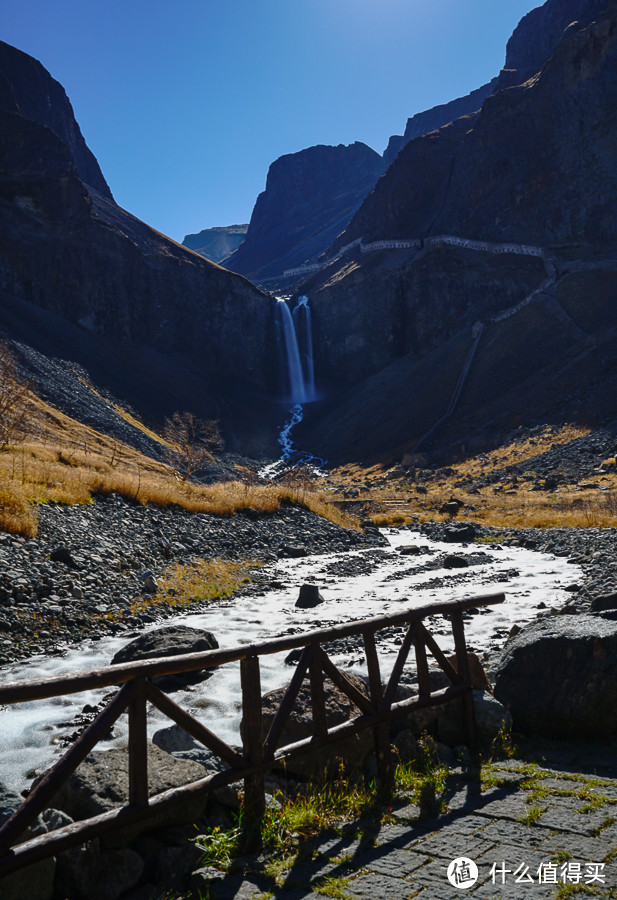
[
  {"x": 437, "y": 117},
  {"x": 538, "y": 33},
  {"x": 67, "y": 248},
  {"x": 27, "y": 89},
  {"x": 535, "y": 165},
  {"x": 309, "y": 198},
  {"x": 216, "y": 244}
]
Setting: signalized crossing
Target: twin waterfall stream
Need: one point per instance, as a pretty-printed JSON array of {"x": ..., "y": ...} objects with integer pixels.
[{"x": 294, "y": 335}]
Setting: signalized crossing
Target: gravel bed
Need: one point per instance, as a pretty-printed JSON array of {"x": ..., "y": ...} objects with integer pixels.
[{"x": 80, "y": 577}]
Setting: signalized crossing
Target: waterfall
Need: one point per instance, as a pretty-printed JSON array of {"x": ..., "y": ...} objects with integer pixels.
[
  {"x": 295, "y": 344},
  {"x": 304, "y": 336},
  {"x": 291, "y": 352},
  {"x": 297, "y": 349}
]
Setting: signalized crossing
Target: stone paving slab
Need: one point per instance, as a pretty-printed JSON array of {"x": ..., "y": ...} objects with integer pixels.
[
  {"x": 371, "y": 886},
  {"x": 509, "y": 807},
  {"x": 564, "y": 816},
  {"x": 499, "y": 831},
  {"x": 592, "y": 849},
  {"x": 451, "y": 845},
  {"x": 397, "y": 863},
  {"x": 408, "y": 859}
]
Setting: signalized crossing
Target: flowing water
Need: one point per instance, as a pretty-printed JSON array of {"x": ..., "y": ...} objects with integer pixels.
[
  {"x": 292, "y": 363},
  {"x": 355, "y": 585}
]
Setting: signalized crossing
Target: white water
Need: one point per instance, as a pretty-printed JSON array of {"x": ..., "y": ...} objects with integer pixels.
[
  {"x": 292, "y": 354},
  {"x": 28, "y": 730},
  {"x": 304, "y": 336}
]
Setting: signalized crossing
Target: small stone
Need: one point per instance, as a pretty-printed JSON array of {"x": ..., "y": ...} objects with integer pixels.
[{"x": 309, "y": 596}]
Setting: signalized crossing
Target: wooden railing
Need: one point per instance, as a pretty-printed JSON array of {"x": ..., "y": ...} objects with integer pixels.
[{"x": 375, "y": 709}]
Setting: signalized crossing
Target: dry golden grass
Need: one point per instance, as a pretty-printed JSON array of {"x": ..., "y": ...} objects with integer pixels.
[
  {"x": 17, "y": 515},
  {"x": 202, "y": 579},
  {"x": 393, "y": 501},
  {"x": 63, "y": 461}
]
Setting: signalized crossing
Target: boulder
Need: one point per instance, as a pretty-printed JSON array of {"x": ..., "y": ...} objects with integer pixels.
[
  {"x": 174, "y": 739},
  {"x": 63, "y": 554},
  {"x": 149, "y": 583},
  {"x": 451, "y": 507},
  {"x": 558, "y": 677},
  {"x": 309, "y": 597},
  {"x": 460, "y": 533},
  {"x": 414, "y": 461},
  {"x": 491, "y": 718},
  {"x": 409, "y": 550},
  {"x": 479, "y": 679},
  {"x": 36, "y": 882},
  {"x": 348, "y": 755},
  {"x": 171, "y": 640},
  {"x": 295, "y": 551},
  {"x": 455, "y": 562},
  {"x": 88, "y": 872},
  {"x": 603, "y": 602},
  {"x": 101, "y": 783}
]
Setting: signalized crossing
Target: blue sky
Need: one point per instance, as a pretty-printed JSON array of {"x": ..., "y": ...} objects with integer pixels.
[{"x": 186, "y": 104}]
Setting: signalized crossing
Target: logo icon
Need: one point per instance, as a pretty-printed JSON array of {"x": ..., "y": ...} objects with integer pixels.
[{"x": 462, "y": 873}]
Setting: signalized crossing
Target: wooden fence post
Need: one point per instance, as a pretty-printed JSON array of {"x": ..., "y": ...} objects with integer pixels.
[
  {"x": 138, "y": 746},
  {"x": 381, "y": 731},
  {"x": 252, "y": 741},
  {"x": 462, "y": 666},
  {"x": 318, "y": 701}
]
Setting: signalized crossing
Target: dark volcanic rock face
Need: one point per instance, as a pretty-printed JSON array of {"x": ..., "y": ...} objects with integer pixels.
[
  {"x": 68, "y": 248},
  {"x": 397, "y": 304},
  {"x": 536, "y": 165},
  {"x": 309, "y": 198},
  {"x": 28, "y": 89},
  {"x": 437, "y": 117},
  {"x": 538, "y": 33},
  {"x": 534, "y": 39}
]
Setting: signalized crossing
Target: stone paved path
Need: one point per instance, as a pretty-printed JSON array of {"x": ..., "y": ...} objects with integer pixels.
[{"x": 537, "y": 831}]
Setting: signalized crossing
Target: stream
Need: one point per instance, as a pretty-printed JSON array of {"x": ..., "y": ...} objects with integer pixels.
[{"x": 355, "y": 585}]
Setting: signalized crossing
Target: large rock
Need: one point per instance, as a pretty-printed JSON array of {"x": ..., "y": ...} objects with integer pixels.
[
  {"x": 88, "y": 872},
  {"x": 171, "y": 640},
  {"x": 101, "y": 783},
  {"x": 460, "y": 533},
  {"x": 37, "y": 881},
  {"x": 348, "y": 755},
  {"x": 309, "y": 596},
  {"x": 558, "y": 677}
]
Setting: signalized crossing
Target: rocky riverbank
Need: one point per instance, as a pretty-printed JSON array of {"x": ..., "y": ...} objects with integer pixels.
[
  {"x": 81, "y": 577},
  {"x": 89, "y": 564},
  {"x": 593, "y": 549}
]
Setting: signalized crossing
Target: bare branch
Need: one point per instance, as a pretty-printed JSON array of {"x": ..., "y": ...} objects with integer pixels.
[
  {"x": 194, "y": 443},
  {"x": 13, "y": 398}
]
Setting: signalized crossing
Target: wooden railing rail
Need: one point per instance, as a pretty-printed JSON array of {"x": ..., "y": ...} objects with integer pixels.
[{"x": 259, "y": 752}]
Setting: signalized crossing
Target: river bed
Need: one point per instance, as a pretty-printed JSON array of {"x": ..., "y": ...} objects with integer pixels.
[{"x": 355, "y": 585}]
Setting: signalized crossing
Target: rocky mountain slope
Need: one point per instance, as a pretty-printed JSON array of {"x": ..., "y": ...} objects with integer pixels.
[
  {"x": 69, "y": 253},
  {"x": 309, "y": 198},
  {"x": 216, "y": 244},
  {"x": 437, "y": 117},
  {"x": 533, "y": 153},
  {"x": 308, "y": 201},
  {"x": 537, "y": 167}
]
